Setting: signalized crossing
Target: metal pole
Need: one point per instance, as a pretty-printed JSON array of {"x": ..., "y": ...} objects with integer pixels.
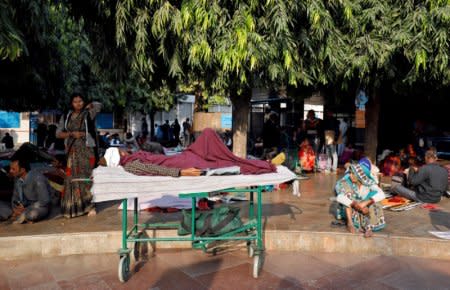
[
  {"x": 193, "y": 219},
  {"x": 135, "y": 215},
  {"x": 259, "y": 218},
  {"x": 124, "y": 223}
]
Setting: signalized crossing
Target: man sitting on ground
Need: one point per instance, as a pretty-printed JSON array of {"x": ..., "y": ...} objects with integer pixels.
[
  {"x": 31, "y": 197},
  {"x": 429, "y": 183}
]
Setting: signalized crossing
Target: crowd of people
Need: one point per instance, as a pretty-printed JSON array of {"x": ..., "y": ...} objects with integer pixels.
[
  {"x": 320, "y": 145},
  {"x": 323, "y": 144},
  {"x": 359, "y": 194},
  {"x": 174, "y": 134},
  {"x": 75, "y": 148}
]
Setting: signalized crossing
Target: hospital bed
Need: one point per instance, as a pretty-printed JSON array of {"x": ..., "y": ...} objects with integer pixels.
[{"x": 114, "y": 183}]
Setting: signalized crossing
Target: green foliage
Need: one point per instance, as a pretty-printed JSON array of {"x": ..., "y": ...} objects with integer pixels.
[
  {"x": 378, "y": 41},
  {"x": 29, "y": 74},
  {"x": 11, "y": 39},
  {"x": 134, "y": 53},
  {"x": 228, "y": 45}
]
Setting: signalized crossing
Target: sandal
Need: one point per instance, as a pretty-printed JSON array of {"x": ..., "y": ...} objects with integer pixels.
[
  {"x": 338, "y": 223},
  {"x": 368, "y": 234}
]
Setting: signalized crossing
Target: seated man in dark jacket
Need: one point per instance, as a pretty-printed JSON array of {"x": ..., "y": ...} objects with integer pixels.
[
  {"x": 429, "y": 182},
  {"x": 31, "y": 198}
]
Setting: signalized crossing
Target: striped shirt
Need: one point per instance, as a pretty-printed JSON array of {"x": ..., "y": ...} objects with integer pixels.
[{"x": 139, "y": 168}]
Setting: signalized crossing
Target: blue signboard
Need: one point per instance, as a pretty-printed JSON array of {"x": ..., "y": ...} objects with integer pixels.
[
  {"x": 225, "y": 121},
  {"x": 104, "y": 121},
  {"x": 9, "y": 119}
]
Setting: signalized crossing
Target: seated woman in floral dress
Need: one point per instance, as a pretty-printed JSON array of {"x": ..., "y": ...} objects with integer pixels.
[
  {"x": 357, "y": 195},
  {"x": 306, "y": 156}
]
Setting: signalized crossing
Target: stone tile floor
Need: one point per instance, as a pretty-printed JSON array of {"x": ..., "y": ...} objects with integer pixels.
[
  {"x": 312, "y": 211},
  {"x": 188, "y": 269}
]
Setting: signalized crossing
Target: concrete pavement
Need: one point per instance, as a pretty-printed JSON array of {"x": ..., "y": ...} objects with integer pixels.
[{"x": 187, "y": 269}]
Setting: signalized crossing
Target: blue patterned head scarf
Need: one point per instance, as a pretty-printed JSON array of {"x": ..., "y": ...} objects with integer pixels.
[
  {"x": 363, "y": 174},
  {"x": 365, "y": 162}
]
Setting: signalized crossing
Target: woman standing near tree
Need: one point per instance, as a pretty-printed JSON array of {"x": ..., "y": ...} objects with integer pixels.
[{"x": 78, "y": 130}]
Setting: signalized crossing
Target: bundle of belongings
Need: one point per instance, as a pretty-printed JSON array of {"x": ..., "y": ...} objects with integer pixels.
[
  {"x": 398, "y": 203},
  {"x": 395, "y": 202}
]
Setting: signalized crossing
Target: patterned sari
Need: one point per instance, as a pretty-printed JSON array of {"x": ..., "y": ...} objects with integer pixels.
[
  {"x": 306, "y": 157},
  {"x": 374, "y": 220},
  {"x": 76, "y": 199}
]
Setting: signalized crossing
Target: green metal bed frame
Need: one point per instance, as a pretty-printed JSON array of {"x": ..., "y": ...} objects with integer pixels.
[{"x": 251, "y": 231}]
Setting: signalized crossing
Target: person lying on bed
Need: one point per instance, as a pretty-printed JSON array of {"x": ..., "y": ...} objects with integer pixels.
[
  {"x": 113, "y": 155},
  {"x": 207, "y": 152}
]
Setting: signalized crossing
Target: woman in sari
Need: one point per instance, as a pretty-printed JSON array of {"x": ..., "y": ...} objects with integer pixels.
[
  {"x": 78, "y": 130},
  {"x": 306, "y": 156},
  {"x": 358, "y": 194}
]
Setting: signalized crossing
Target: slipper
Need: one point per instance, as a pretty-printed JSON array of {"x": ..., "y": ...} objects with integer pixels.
[
  {"x": 368, "y": 234},
  {"x": 20, "y": 220},
  {"x": 338, "y": 223}
]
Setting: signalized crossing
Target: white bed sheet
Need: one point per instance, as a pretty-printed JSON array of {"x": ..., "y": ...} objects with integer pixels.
[{"x": 114, "y": 183}]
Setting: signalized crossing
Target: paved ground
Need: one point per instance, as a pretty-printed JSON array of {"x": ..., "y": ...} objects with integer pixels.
[
  {"x": 188, "y": 269},
  {"x": 281, "y": 210}
]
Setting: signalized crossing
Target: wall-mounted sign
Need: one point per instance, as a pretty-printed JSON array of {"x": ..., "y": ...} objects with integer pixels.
[
  {"x": 226, "y": 121},
  {"x": 9, "y": 119},
  {"x": 104, "y": 121}
]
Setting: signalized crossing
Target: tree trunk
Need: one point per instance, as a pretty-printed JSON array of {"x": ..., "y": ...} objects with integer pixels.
[
  {"x": 372, "y": 121},
  {"x": 241, "y": 105}
]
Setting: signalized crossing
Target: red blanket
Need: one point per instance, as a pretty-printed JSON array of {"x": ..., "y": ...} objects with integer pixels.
[{"x": 208, "y": 151}]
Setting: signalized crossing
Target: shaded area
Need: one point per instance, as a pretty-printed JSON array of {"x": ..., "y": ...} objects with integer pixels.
[{"x": 440, "y": 220}]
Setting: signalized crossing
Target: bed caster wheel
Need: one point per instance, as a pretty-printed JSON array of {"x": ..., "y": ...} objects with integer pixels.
[
  {"x": 250, "y": 250},
  {"x": 124, "y": 268},
  {"x": 256, "y": 265}
]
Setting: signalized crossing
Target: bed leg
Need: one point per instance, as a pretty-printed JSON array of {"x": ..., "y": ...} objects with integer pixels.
[
  {"x": 124, "y": 223},
  {"x": 194, "y": 204},
  {"x": 135, "y": 216},
  {"x": 251, "y": 208},
  {"x": 259, "y": 220}
]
